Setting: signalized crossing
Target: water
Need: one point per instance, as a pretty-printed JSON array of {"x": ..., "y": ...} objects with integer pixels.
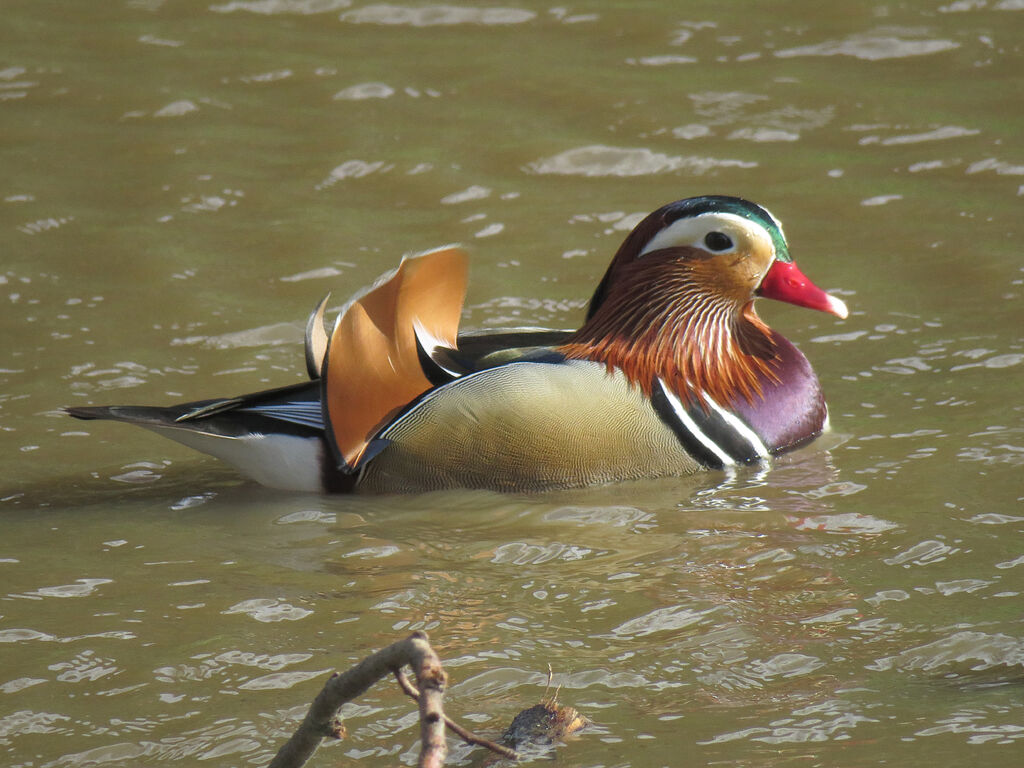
[{"x": 182, "y": 182}]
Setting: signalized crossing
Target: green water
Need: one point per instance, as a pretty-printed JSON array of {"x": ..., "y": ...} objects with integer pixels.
[{"x": 181, "y": 182}]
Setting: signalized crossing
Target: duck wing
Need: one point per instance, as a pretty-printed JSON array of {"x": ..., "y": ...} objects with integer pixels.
[
  {"x": 372, "y": 369},
  {"x": 293, "y": 410}
]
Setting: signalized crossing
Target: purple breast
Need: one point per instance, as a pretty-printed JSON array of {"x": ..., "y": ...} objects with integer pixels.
[{"x": 791, "y": 410}]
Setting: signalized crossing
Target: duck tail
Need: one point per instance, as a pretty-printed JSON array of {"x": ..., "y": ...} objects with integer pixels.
[{"x": 140, "y": 415}]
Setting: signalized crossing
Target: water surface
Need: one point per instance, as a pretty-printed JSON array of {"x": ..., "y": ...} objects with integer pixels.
[{"x": 183, "y": 181}]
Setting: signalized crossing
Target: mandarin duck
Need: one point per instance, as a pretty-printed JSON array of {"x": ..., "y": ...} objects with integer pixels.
[{"x": 672, "y": 372}]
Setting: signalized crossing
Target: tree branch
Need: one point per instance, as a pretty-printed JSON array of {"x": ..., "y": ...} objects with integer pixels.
[
  {"x": 466, "y": 735},
  {"x": 546, "y": 722},
  {"x": 321, "y": 720}
]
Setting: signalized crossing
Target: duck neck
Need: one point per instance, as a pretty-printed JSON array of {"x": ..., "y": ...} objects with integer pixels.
[{"x": 694, "y": 341}]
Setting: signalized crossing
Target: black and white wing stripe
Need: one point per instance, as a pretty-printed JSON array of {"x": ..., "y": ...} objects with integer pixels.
[
  {"x": 292, "y": 409},
  {"x": 714, "y": 436},
  {"x": 307, "y": 413},
  {"x": 437, "y": 359}
]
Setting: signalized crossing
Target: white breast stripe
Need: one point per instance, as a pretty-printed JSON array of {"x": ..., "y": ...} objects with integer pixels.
[
  {"x": 740, "y": 426},
  {"x": 692, "y": 428}
]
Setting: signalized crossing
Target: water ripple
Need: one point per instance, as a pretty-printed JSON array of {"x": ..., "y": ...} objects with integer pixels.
[
  {"x": 85, "y": 666},
  {"x": 282, "y": 7},
  {"x": 353, "y": 169},
  {"x": 177, "y": 109},
  {"x": 20, "y": 634},
  {"x": 975, "y": 651},
  {"x": 81, "y": 588},
  {"x": 818, "y": 722},
  {"x": 279, "y": 681},
  {"x": 601, "y": 160},
  {"x": 520, "y": 553},
  {"x": 27, "y": 721},
  {"x": 941, "y": 133},
  {"x": 846, "y": 522},
  {"x": 871, "y": 48},
  {"x": 617, "y": 517},
  {"x": 661, "y": 620},
  {"x": 364, "y": 91},
  {"x": 475, "y": 192},
  {"x": 922, "y": 553},
  {"x": 436, "y": 15},
  {"x": 974, "y": 723},
  {"x": 268, "y": 610}
]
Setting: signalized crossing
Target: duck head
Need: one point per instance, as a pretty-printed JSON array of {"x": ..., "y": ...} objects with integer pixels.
[{"x": 677, "y": 301}]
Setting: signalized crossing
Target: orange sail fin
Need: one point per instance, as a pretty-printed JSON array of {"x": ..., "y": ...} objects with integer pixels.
[{"x": 372, "y": 367}]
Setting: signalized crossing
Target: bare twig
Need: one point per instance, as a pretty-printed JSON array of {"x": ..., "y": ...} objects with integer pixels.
[
  {"x": 321, "y": 721},
  {"x": 432, "y": 680},
  {"x": 546, "y": 722},
  {"x": 466, "y": 735}
]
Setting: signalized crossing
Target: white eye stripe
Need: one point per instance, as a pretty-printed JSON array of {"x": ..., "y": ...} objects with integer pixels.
[{"x": 692, "y": 231}]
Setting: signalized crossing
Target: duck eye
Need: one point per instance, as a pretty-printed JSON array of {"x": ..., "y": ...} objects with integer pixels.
[{"x": 718, "y": 241}]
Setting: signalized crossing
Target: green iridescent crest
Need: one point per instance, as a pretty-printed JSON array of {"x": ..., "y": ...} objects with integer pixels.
[{"x": 737, "y": 206}]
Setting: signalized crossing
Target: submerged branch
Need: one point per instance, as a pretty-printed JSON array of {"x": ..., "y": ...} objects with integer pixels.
[
  {"x": 544, "y": 723},
  {"x": 466, "y": 735},
  {"x": 321, "y": 721}
]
